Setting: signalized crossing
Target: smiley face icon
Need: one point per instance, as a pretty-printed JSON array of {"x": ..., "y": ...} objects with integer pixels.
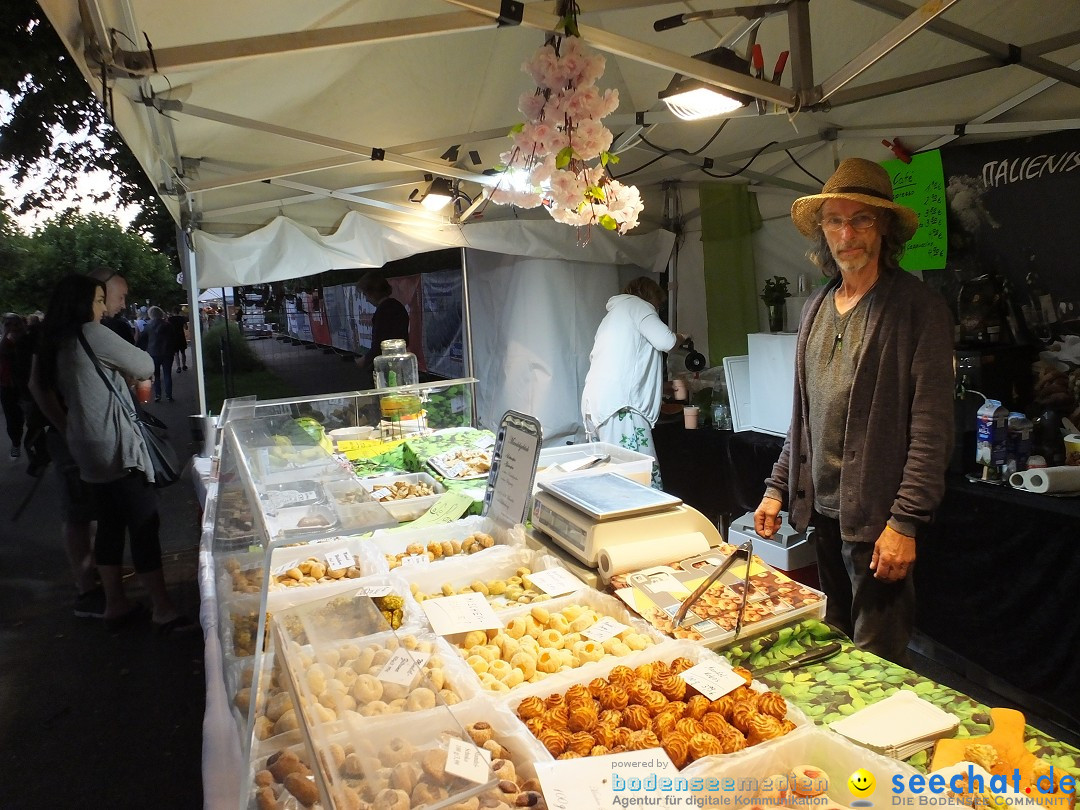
[{"x": 862, "y": 783}]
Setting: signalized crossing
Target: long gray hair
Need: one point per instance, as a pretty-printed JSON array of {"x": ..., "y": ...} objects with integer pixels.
[{"x": 892, "y": 248}]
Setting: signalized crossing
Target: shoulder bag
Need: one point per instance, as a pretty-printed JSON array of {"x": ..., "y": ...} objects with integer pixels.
[{"x": 167, "y": 468}]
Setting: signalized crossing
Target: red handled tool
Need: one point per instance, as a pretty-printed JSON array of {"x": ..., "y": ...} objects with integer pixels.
[
  {"x": 758, "y": 60},
  {"x": 897, "y": 149},
  {"x": 781, "y": 63}
]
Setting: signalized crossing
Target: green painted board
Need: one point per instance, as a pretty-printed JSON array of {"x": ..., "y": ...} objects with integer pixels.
[{"x": 921, "y": 185}]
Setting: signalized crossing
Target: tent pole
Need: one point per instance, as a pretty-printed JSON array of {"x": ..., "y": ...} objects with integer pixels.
[
  {"x": 194, "y": 322},
  {"x": 466, "y": 324}
]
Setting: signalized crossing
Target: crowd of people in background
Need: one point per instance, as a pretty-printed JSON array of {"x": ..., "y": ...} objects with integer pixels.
[
  {"x": 68, "y": 377},
  {"x": 164, "y": 337}
]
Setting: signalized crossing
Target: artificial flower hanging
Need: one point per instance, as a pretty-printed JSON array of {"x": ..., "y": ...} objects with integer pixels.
[{"x": 560, "y": 158}]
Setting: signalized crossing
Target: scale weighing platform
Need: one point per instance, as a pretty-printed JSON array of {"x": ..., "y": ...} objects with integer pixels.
[{"x": 592, "y": 512}]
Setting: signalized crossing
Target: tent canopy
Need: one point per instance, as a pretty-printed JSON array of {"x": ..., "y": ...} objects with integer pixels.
[{"x": 249, "y": 111}]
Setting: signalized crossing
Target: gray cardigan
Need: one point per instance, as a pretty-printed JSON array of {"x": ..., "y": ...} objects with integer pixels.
[
  {"x": 100, "y": 434},
  {"x": 899, "y": 430}
]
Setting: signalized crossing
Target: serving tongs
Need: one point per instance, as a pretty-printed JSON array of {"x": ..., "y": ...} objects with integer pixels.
[{"x": 746, "y": 550}]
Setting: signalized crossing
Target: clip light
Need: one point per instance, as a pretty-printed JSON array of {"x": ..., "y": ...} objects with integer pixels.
[
  {"x": 691, "y": 99},
  {"x": 436, "y": 196}
]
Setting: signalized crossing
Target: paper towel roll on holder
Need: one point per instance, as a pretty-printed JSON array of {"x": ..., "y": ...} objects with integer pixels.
[{"x": 746, "y": 550}]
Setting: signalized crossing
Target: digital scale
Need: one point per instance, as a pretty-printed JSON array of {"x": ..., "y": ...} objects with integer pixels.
[{"x": 585, "y": 514}]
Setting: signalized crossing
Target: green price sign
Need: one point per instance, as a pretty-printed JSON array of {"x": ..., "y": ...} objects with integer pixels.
[{"x": 921, "y": 185}]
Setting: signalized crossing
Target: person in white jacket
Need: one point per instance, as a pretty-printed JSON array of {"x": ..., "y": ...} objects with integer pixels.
[{"x": 621, "y": 400}]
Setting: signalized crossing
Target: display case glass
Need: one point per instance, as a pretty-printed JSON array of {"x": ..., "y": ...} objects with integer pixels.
[
  {"x": 290, "y": 516},
  {"x": 371, "y": 698}
]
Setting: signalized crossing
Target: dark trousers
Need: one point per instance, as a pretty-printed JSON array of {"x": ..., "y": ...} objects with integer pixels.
[
  {"x": 127, "y": 507},
  {"x": 13, "y": 413},
  {"x": 163, "y": 376},
  {"x": 878, "y": 616}
]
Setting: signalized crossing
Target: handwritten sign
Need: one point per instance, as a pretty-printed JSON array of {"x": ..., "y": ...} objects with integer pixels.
[
  {"x": 449, "y": 507},
  {"x": 920, "y": 185},
  {"x": 460, "y": 613},
  {"x": 604, "y": 629},
  {"x": 403, "y": 666},
  {"x": 555, "y": 581},
  {"x": 468, "y": 761},
  {"x": 375, "y": 591},
  {"x": 712, "y": 679},
  {"x": 340, "y": 560},
  {"x": 291, "y": 497}
]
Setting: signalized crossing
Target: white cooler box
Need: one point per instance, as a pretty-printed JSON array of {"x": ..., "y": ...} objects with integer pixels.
[
  {"x": 787, "y": 550},
  {"x": 627, "y": 463}
]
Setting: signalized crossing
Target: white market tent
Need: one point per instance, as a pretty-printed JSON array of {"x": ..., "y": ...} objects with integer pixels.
[{"x": 286, "y": 137}]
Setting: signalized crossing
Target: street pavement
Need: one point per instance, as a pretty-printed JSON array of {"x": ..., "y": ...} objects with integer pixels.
[{"x": 88, "y": 718}]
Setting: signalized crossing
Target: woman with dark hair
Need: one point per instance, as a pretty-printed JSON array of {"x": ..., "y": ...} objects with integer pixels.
[
  {"x": 621, "y": 400},
  {"x": 159, "y": 344},
  {"x": 106, "y": 444}
]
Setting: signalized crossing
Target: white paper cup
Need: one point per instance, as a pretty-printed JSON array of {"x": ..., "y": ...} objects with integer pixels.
[
  {"x": 1072, "y": 450},
  {"x": 690, "y": 416},
  {"x": 679, "y": 389}
]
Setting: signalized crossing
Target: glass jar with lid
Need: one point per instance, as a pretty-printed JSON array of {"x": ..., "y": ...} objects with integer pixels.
[{"x": 395, "y": 366}]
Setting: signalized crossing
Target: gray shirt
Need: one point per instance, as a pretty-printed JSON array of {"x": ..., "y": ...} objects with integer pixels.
[
  {"x": 831, "y": 353},
  {"x": 100, "y": 434}
]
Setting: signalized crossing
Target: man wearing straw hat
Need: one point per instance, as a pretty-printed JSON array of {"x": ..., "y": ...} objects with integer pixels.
[{"x": 871, "y": 428}]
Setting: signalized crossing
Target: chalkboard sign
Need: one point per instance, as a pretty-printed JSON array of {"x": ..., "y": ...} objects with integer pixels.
[{"x": 920, "y": 185}]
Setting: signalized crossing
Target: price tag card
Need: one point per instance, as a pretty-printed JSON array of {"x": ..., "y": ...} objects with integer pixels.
[
  {"x": 604, "y": 629},
  {"x": 403, "y": 666},
  {"x": 713, "y": 679},
  {"x": 340, "y": 560},
  {"x": 449, "y": 507},
  {"x": 374, "y": 591},
  {"x": 460, "y": 613},
  {"x": 555, "y": 581},
  {"x": 291, "y": 497},
  {"x": 468, "y": 761},
  {"x": 458, "y": 470},
  {"x": 596, "y": 783},
  {"x": 484, "y": 442},
  {"x": 415, "y": 559},
  {"x": 380, "y": 493}
]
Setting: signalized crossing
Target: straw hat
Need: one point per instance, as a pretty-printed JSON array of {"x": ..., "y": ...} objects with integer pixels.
[{"x": 859, "y": 180}]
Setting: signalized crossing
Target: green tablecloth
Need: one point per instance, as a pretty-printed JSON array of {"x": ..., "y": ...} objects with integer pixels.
[{"x": 852, "y": 679}]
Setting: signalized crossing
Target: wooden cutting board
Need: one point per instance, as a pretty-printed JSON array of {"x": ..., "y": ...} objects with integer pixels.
[{"x": 1007, "y": 736}]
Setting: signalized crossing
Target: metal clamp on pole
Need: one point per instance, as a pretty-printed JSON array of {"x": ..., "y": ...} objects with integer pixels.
[
  {"x": 746, "y": 551},
  {"x": 510, "y": 13}
]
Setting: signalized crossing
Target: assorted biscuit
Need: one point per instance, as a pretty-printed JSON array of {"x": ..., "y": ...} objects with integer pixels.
[
  {"x": 502, "y": 592},
  {"x": 532, "y": 646},
  {"x": 440, "y": 549},
  {"x": 653, "y": 706},
  {"x": 395, "y": 775}
]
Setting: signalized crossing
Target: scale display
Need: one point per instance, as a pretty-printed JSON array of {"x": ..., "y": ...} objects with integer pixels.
[{"x": 608, "y": 496}]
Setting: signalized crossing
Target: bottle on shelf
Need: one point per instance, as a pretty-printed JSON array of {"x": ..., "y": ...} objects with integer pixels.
[{"x": 1043, "y": 319}]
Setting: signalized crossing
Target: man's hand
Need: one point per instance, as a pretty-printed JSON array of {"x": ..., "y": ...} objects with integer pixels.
[
  {"x": 767, "y": 517},
  {"x": 894, "y": 554}
]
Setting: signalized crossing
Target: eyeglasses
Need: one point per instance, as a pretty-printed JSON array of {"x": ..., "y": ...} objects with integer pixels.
[{"x": 860, "y": 222}]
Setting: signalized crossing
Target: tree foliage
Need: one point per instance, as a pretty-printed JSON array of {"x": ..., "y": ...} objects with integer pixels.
[
  {"x": 78, "y": 243},
  {"x": 58, "y": 130}
]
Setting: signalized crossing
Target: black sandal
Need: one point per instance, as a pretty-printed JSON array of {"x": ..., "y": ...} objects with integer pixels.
[{"x": 181, "y": 625}]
